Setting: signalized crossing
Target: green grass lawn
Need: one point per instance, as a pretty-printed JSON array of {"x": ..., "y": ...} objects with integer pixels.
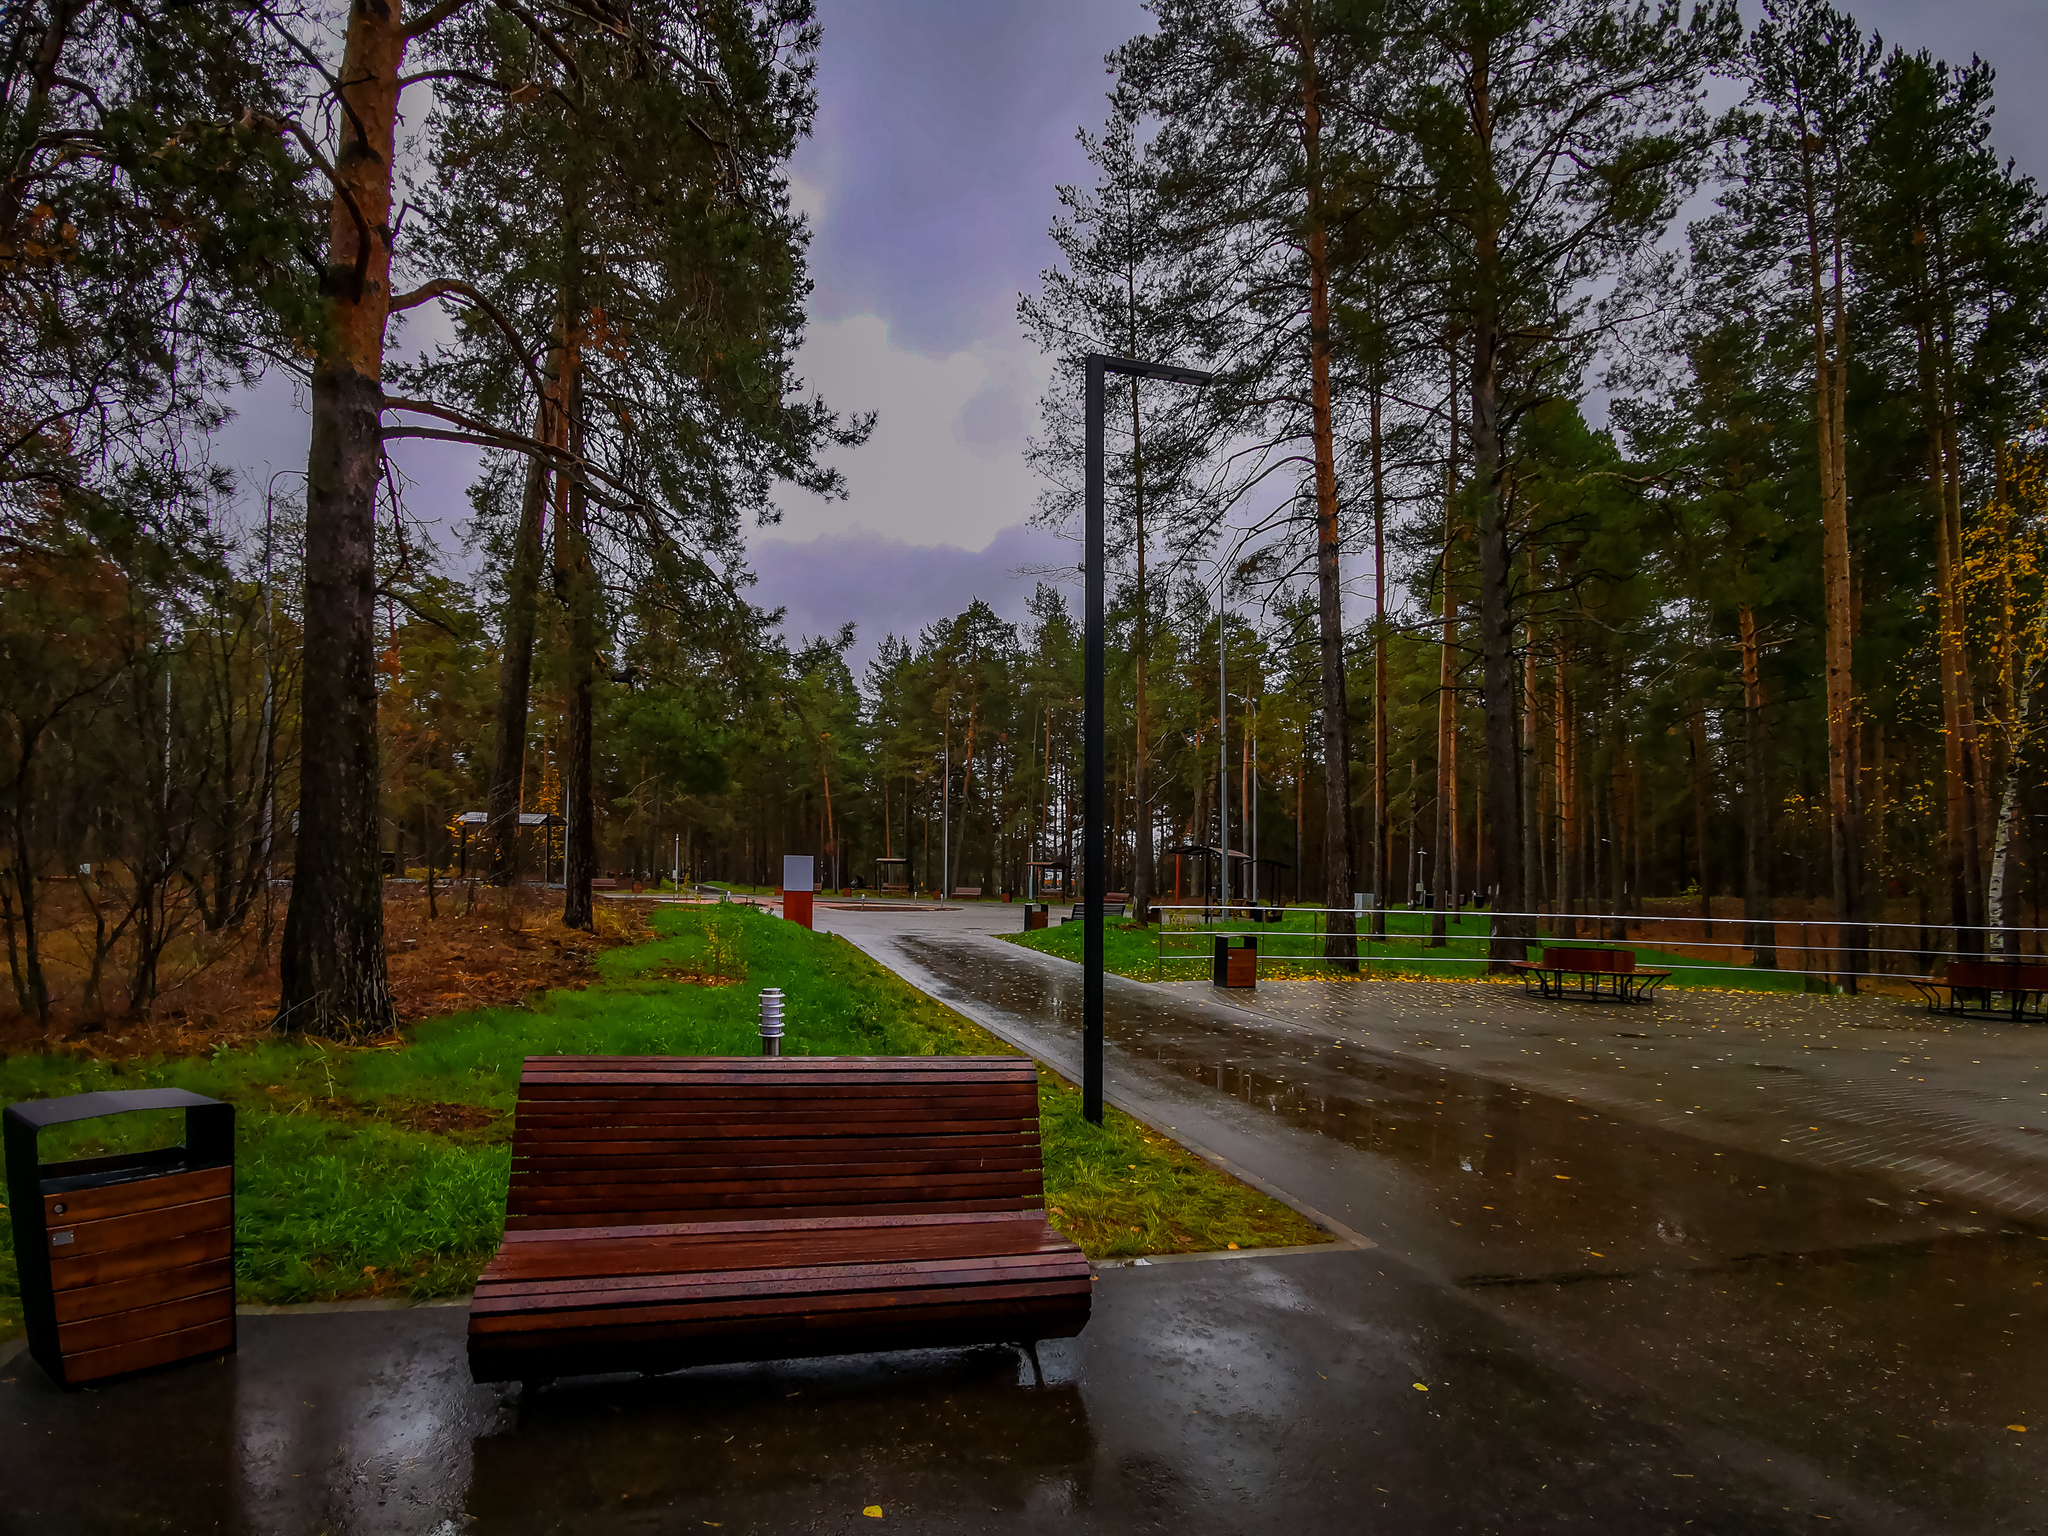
[
  {"x": 382, "y": 1169},
  {"x": 1183, "y": 954}
]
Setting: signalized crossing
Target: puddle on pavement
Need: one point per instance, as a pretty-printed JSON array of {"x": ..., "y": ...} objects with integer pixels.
[{"x": 1491, "y": 1182}]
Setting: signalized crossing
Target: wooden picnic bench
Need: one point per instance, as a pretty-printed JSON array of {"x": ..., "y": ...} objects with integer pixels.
[
  {"x": 1573, "y": 970},
  {"x": 1968, "y": 986},
  {"x": 668, "y": 1211},
  {"x": 967, "y": 893}
]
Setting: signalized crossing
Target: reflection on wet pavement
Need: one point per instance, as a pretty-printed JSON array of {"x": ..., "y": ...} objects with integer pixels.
[
  {"x": 1876, "y": 1334},
  {"x": 1475, "y": 1177}
]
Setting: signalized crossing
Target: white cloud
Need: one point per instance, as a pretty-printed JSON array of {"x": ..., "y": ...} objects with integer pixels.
[{"x": 946, "y": 462}]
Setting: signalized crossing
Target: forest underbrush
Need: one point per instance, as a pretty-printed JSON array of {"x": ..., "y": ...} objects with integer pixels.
[{"x": 478, "y": 947}]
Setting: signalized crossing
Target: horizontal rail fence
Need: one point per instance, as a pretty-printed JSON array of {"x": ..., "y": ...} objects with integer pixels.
[{"x": 1805, "y": 947}]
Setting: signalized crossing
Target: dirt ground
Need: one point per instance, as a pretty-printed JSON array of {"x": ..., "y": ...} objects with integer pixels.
[{"x": 485, "y": 948}]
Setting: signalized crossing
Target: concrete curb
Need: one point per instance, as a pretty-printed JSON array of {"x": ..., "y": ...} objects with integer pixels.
[{"x": 362, "y": 1304}]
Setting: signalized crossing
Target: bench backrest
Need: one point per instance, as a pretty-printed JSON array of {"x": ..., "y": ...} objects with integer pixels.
[
  {"x": 604, "y": 1141},
  {"x": 1997, "y": 975},
  {"x": 1611, "y": 962}
]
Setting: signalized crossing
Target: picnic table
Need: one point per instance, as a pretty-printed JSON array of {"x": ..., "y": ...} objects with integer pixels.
[
  {"x": 1968, "y": 986},
  {"x": 1571, "y": 970},
  {"x": 669, "y": 1211}
]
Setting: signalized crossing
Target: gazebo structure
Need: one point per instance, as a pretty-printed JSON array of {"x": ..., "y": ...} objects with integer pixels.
[
  {"x": 1040, "y": 878},
  {"x": 1211, "y": 886},
  {"x": 546, "y": 821},
  {"x": 888, "y": 865}
]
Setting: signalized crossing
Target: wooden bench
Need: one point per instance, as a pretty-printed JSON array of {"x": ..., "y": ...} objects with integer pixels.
[
  {"x": 1109, "y": 909},
  {"x": 1570, "y": 970},
  {"x": 1968, "y": 986},
  {"x": 668, "y": 1211},
  {"x": 967, "y": 893}
]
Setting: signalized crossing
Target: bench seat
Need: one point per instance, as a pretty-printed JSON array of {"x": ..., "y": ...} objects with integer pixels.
[
  {"x": 674, "y": 1211},
  {"x": 666, "y": 1296}
]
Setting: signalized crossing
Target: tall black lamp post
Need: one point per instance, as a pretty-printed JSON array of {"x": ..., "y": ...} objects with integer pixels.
[{"x": 1093, "y": 861}]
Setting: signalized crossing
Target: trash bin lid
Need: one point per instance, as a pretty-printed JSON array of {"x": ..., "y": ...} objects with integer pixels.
[{"x": 38, "y": 1113}]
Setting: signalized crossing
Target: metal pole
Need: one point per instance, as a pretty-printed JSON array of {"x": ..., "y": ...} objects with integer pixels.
[
  {"x": 1092, "y": 766},
  {"x": 1093, "y": 367},
  {"x": 1253, "y": 809},
  {"x": 946, "y": 823}
]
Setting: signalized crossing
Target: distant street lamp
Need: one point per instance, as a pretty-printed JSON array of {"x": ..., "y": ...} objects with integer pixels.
[{"x": 1095, "y": 365}]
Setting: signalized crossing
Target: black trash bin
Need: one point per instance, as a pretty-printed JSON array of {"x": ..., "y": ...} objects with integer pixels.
[{"x": 126, "y": 1262}]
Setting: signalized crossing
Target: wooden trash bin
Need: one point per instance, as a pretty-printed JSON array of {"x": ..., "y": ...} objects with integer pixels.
[
  {"x": 126, "y": 1262},
  {"x": 1236, "y": 965},
  {"x": 1036, "y": 915}
]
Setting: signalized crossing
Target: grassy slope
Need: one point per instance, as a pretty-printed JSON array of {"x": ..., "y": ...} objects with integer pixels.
[
  {"x": 383, "y": 1168},
  {"x": 1137, "y": 952}
]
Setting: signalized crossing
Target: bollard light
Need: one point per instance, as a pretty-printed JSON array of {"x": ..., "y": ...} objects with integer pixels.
[{"x": 771, "y": 1021}]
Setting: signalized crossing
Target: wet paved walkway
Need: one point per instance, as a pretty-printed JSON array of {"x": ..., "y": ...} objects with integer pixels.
[
  {"x": 1803, "y": 1230},
  {"x": 1615, "y": 1287}
]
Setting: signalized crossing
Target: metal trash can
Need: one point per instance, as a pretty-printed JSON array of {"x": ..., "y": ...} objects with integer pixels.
[
  {"x": 1036, "y": 915},
  {"x": 127, "y": 1261},
  {"x": 1236, "y": 965}
]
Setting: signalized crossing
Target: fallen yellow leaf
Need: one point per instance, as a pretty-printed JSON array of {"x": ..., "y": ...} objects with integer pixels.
[
  {"x": 1560, "y": 1175},
  {"x": 1420, "y": 1387},
  {"x": 873, "y": 1511},
  {"x": 1231, "y": 1245},
  {"x": 2017, "y": 1428}
]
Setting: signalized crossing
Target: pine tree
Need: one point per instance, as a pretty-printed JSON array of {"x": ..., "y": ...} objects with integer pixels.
[{"x": 1556, "y": 140}]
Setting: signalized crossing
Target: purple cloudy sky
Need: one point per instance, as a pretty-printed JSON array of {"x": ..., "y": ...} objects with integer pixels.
[{"x": 943, "y": 127}]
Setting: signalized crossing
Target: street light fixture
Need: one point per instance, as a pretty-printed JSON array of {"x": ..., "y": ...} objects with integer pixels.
[{"x": 1095, "y": 366}]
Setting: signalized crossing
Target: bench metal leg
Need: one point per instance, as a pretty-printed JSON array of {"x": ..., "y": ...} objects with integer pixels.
[{"x": 1030, "y": 1348}]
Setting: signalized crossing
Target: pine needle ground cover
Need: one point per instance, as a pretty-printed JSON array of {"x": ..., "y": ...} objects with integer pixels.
[
  {"x": 1183, "y": 954},
  {"x": 381, "y": 1169}
]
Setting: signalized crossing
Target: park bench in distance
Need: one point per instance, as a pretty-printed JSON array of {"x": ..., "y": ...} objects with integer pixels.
[
  {"x": 1109, "y": 909},
  {"x": 1573, "y": 971},
  {"x": 1968, "y": 986},
  {"x": 668, "y": 1211}
]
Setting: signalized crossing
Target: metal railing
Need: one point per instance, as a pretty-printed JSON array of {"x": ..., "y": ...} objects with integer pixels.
[{"x": 1817, "y": 943}]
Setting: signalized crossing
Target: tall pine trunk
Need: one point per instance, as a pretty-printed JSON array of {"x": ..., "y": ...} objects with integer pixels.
[
  {"x": 1696, "y": 723},
  {"x": 1503, "y": 835},
  {"x": 1760, "y": 929},
  {"x": 515, "y": 665},
  {"x": 1341, "y": 931},
  {"x": 1382, "y": 834},
  {"x": 1830, "y": 383},
  {"x": 577, "y": 581},
  {"x": 331, "y": 966},
  {"x": 1446, "y": 695}
]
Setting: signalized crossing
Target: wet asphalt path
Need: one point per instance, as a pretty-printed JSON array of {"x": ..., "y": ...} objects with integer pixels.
[{"x": 1802, "y": 1230}]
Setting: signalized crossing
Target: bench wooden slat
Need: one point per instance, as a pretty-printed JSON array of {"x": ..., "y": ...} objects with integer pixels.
[
  {"x": 571, "y": 1213},
  {"x": 679, "y": 1150},
  {"x": 753, "y": 1245},
  {"x": 670, "y": 1211},
  {"x": 787, "y": 1280},
  {"x": 748, "y": 1172}
]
